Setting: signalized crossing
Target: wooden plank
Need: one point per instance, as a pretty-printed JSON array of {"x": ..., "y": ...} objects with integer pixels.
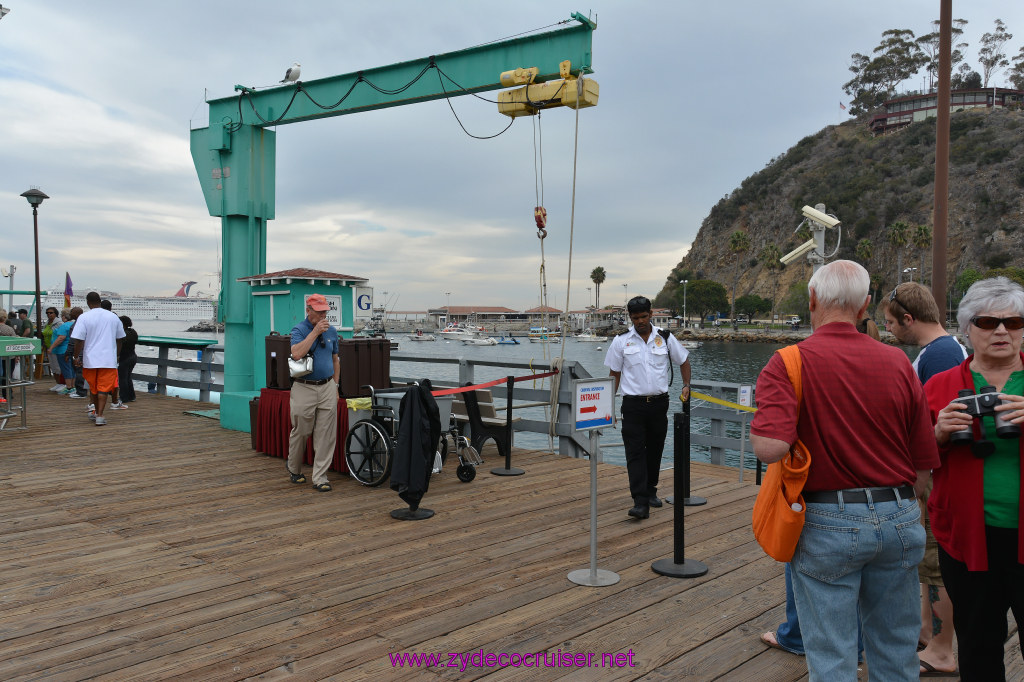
[{"x": 192, "y": 557}]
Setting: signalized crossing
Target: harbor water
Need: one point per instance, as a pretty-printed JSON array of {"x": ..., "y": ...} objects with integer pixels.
[{"x": 714, "y": 361}]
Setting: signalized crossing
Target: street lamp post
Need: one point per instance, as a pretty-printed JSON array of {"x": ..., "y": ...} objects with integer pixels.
[
  {"x": 625, "y": 294},
  {"x": 685, "y": 318},
  {"x": 909, "y": 271},
  {"x": 35, "y": 197}
]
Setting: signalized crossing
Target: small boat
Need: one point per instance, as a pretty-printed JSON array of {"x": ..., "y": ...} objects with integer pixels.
[
  {"x": 508, "y": 340},
  {"x": 459, "y": 331},
  {"x": 690, "y": 345},
  {"x": 480, "y": 341},
  {"x": 543, "y": 335},
  {"x": 588, "y": 337},
  {"x": 420, "y": 336}
]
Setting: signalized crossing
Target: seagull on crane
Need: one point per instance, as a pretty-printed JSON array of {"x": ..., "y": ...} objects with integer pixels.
[{"x": 292, "y": 74}]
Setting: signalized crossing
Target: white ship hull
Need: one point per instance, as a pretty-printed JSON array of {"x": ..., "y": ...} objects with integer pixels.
[{"x": 190, "y": 309}]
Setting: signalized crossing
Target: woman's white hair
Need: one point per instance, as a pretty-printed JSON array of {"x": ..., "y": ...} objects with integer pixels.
[
  {"x": 841, "y": 284},
  {"x": 988, "y": 296}
]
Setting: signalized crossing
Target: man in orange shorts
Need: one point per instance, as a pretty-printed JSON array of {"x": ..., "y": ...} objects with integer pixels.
[{"x": 97, "y": 336}]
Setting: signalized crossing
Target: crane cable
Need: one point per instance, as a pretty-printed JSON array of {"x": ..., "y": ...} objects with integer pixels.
[
  {"x": 568, "y": 278},
  {"x": 540, "y": 217}
]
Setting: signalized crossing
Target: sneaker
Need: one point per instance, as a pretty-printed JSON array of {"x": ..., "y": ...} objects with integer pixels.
[
  {"x": 55, "y": 388},
  {"x": 75, "y": 395},
  {"x": 100, "y": 421},
  {"x": 92, "y": 416},
  {"x": 91, "y": 408},
  {"x": 119, "y": 406},
  {"x": 66, "y": 391}
]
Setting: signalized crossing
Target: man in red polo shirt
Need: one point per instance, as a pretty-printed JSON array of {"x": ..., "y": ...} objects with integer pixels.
[{"x": 866, "y": 424}]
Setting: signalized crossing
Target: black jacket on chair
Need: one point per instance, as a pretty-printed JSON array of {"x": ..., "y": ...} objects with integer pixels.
[{"x": 419, "y": 430}]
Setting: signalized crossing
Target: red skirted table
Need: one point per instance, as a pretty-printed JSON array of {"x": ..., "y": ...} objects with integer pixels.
[{"x": 274, "y": 423}]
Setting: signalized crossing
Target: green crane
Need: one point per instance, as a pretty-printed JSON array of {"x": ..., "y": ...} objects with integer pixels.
[{"x": 235, "y": 156}]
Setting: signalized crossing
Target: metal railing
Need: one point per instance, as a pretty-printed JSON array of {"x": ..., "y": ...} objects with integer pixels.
[
  {"x": 203, "y": 366},
  {"x": 722, "y": 419}
]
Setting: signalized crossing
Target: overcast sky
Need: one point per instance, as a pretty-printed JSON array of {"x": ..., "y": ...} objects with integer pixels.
[{"x": 97, "y": 99}]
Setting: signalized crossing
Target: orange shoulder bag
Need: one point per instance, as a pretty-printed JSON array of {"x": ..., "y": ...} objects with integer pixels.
[{"x": 779, "y": 509}]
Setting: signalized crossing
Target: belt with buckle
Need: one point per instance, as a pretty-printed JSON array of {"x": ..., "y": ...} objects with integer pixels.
[
  {"x": 313, "y": 382},
  {"x": 859, "y": 495},
  {"x": 647, "y": 398}
]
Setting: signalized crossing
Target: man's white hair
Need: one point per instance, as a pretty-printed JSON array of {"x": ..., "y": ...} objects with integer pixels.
[{"x": 841, "y": 284}]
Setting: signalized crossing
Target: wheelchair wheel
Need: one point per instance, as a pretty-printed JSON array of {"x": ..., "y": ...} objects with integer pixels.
[
  {"x": 466, "y": 472},
  {"x": 368, "y": 452}
]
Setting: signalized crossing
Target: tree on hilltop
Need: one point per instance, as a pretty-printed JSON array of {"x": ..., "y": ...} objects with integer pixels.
[
  {"x": 1016, "y": 74},
  {"x": 929, "y": 44},
  {"x": 991, "y": 55}
]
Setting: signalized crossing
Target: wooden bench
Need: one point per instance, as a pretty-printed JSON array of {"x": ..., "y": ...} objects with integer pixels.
[{"x": 476, "y": 408}]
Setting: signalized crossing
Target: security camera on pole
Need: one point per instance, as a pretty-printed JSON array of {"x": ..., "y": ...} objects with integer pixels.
[{"x": 814, "y": 248}]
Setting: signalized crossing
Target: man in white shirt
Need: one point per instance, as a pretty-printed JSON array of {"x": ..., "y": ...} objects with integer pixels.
[
  {"x": 640, "y": 361},
  {"x": 97, "y": 336}
]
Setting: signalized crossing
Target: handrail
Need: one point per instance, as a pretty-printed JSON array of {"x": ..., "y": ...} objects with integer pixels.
[{"x": 206, "y": 367}]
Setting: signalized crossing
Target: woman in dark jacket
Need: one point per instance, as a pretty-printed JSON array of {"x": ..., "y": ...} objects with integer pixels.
[{"x": 126, "y": 361}]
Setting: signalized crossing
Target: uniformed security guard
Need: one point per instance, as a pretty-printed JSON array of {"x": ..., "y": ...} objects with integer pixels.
[{"x": 640, "y": 362}]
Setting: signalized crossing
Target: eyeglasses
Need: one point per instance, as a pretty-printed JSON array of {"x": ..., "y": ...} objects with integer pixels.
[
  {"x": 989, "y": 323},
  {"x": 892, "y": 297}
]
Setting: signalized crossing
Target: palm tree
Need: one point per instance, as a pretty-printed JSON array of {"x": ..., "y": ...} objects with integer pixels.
[
  {"x": 922, "y": 239},
  {"x": 597, "y": 276},
  {"x": 769, "y": 257},
  {"x": 739, "y": 243},
  {"x": 865, "y": 250},
  {"x": 898, "y": 236}
]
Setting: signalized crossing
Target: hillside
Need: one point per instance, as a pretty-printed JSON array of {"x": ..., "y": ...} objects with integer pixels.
[{"x": 870, "y": 183}]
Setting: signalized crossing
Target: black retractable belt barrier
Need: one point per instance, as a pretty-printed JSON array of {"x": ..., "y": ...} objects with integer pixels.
[
  {"x": 508, "y": 470},
  {"x": 679, "y": 566},
  {"x": 757, "y": 476}
]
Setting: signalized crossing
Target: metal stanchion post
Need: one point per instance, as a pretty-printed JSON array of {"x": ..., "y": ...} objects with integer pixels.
[
  {"x": 508, "y": 470},
  {"x": 594, "y": 576},
  {"x": 679, "y": 566},
  {"x": 681, "y": 445}
]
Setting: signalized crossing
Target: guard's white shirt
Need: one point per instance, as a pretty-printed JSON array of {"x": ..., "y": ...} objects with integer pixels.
[{"x": 644, "y": 367}]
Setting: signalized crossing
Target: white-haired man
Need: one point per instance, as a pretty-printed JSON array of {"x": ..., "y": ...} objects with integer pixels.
[{"x": 865, "y": 421}]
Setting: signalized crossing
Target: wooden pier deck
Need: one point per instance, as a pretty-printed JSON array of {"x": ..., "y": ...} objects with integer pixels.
[{"x": 162, "y": 547}]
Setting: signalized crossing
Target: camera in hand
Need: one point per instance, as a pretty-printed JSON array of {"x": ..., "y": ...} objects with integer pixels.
[{"x": 981, "y": 405}]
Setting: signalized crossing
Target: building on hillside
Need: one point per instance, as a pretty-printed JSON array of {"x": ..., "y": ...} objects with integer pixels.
[{"x": 902, "y": 111}]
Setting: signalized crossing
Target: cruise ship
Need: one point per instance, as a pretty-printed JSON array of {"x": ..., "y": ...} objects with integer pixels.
[{"x": 181, "y": 306}]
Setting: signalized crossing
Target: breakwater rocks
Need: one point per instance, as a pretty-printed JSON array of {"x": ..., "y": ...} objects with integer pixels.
[{"x": 207, "y": 327}]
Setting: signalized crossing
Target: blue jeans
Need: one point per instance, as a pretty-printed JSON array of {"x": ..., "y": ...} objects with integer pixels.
[
  {"x": 788, "y": 633},
  {"x": 866, "y": 555}
]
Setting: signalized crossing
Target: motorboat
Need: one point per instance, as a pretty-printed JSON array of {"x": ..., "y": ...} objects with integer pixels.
[
  {"x": 588, "y": 336},
  {"x": 459, "y": 331},
  {"x": 543, "y": 335},
  {"x": 508, "y": 341},
  {"x": 420, "y": 336},
  {"x": 480, "y": 341},
  {"x": 690, "y": 344}
]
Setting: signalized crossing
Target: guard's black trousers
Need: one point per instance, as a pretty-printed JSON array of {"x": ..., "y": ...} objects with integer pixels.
[{"x": 644, "y": 425}]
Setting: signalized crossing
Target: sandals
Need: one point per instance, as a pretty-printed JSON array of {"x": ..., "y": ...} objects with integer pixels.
[
  {"x": 297, "y": 478},
  {"x": 322, "y": 487}
]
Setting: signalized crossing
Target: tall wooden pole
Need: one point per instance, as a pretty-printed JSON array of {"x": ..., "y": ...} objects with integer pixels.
[{"x": 940, "y": 215}]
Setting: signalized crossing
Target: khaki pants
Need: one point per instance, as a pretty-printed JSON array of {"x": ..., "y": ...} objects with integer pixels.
[{"x": 314, "y": 410}]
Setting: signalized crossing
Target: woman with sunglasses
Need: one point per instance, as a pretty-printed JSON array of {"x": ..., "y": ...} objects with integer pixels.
[{"x": 975, "y": 502}]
